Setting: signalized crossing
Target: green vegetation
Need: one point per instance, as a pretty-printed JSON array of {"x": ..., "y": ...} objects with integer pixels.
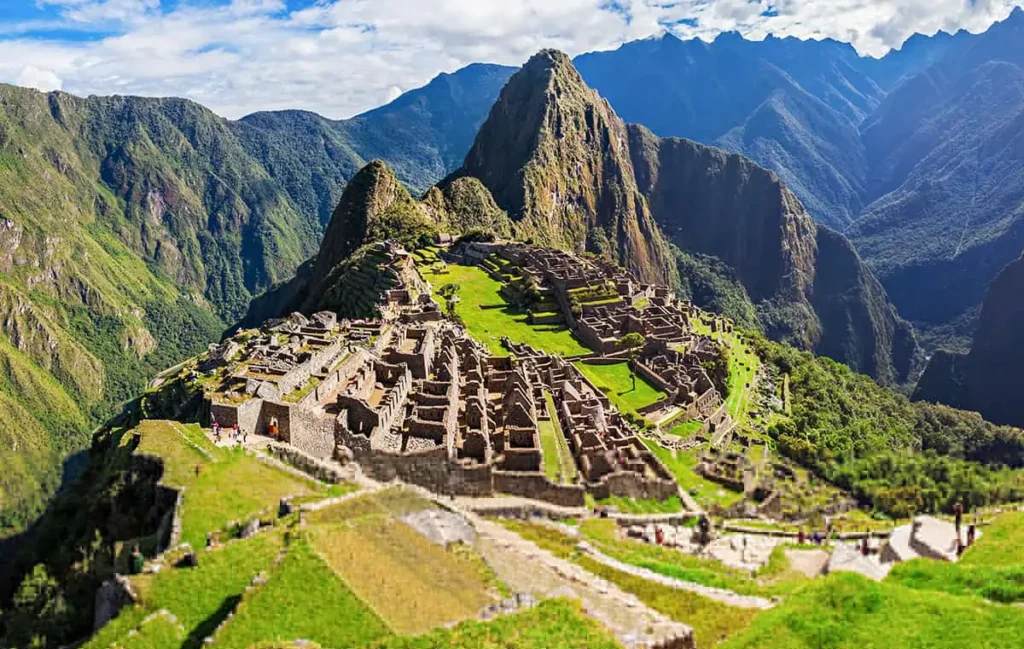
[
  {"x": 643, "y": 505},
  {"x": 411, "y": 583},
  {"x": 865, "y": 438},
  {"x": 993, "y": 568},
  {"x": 685, "y": 429},
  {"x": 682, "y": 464},
  {"x": 302, "y": 598},
  {"x": 227, "y": 488},
  {"x": 488, "y": 316},
  {"x": 713, "y": 286},
  {"x": 711, "y": 620},
  {"x": 558, "y": 460},
  {"x": 552, "y": 624},
  {"x": 847, "y": 611},
  {"x": 616, "y": 381}
]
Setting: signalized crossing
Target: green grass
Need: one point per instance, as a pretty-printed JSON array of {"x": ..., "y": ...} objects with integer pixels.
[
  {"x": 847, "y": 611},
  {"x": 157, "y": 632},
  {"x": 743, "y": 364},
  {"x": 411, "y": 583},
  {"x": 615, "y": 382},
  {"x": 685, "y": 429},
  {"x": 201, "y": 597},
  {"x": 230, "y": 487},
  {"x": 302, "y": 599},
  {"x": 393, "y": 502},
  {"x": 488, "y": 316},
  {"x": 683, "y": 465},
  {"x": 552, "y": 624},
  {"x": 993, "y": 568},
  {"x": 558, "y": 459},
  {"x": 711, "y": 620},
  {"x": 643, "y": 505},
  {"x": 1000, "y": 544}
]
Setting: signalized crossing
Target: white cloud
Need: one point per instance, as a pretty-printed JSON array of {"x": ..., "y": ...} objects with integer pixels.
[
  {"x": 38, "y": 78},
  {"x": 340, "y": 57}
]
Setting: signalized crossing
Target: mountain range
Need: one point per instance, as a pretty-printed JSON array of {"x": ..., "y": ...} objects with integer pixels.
[{"x": 161, "y": 221}]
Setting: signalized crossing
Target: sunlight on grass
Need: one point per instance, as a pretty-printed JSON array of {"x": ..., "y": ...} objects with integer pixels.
[{"x": 615, "y": 382}]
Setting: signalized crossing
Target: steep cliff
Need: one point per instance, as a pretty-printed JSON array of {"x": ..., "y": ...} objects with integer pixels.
[
  {"x": 808, "y": 284},
  {"x": 556, "y": 158},
  {"x": 985, "y": 379}
]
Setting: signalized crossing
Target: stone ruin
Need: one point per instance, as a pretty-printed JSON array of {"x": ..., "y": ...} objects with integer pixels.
[{"x": 412, "y": 396}]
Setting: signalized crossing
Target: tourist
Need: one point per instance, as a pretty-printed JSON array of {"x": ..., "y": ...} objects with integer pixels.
[
  {"x": 216, "y": 430},
  {"x": 136, "y": 561},
  {"x": 971, "y": 532},
  {"x": 801, "y": 537},
  {"x": 273, "y": 428},
  {"x": 864, "y": 549},
  {"x": 234, "y": 432},
  {"x": 958, "y": 513}
]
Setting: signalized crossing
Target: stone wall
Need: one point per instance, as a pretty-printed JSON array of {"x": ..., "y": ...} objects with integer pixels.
[
  {"x": 312, "y": 432},
  {"x": 112, "y": 596},
  {"x": 306, "y": 463},
  {"x": 626, "y": 484},
  {"x": 538, "y": 487}
]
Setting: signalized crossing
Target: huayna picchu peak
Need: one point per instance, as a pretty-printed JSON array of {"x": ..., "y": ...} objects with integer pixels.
[{"x": 491, "y": 366}]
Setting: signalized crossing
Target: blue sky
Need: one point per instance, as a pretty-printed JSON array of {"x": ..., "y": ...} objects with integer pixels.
[{"x": 341, "y": 57}]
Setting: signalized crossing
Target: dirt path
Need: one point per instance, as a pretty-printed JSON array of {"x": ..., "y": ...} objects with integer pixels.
[
  {"x": 717, "y": 594},
  {"x": 524, "y": 567}
]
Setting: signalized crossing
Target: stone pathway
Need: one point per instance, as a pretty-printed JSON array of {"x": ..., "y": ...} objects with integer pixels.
[
  {"x": 717, "y": 594},
  {"x": 810, "y": 562},
  {"x": 524, "y": 567}
]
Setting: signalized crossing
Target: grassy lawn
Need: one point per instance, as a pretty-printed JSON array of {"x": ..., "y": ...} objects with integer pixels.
[
  {"x": 230, "y": 487},
  {"x": 552, "y": 624},
  {"x": 389, "y": 502},
  {"x": 157, "y": 632},
  {"x": 684, "y": 429},
  {"x": 411, "y": 583},
  {"x": 558, "y": 460},
  {"x": 201, "y": 597},
  {"x": 847, "y": 611},
  {"x": 488, "y": 317},
  {"x": 615, "y": 382},
  {"x": 643, "y": 505},
  {"x": 711, "y": 620},
  {"x": 683, "y": 465},
  {"x": 302, "y": 599},
  {"x": 1000, "y": 544},
  {"x": 993, "y": 568}
]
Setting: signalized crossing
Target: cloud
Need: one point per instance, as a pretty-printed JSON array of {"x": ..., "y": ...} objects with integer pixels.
[
  {"x": 341, "y": 57},
  {"x": 38, "y": 78}
]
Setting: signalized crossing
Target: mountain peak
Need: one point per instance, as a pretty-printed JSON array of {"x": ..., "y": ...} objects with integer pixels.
[{"x": 554, "y": 156}]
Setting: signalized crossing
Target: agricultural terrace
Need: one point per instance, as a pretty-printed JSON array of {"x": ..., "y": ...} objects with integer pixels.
[
  {"x": 221, "y": 485},
  {"x": 683, "y": 466},
  {"x": 559, "y": 465},
  {"x": 614, "y": 380},
  {"x": 489, "y": 317}
]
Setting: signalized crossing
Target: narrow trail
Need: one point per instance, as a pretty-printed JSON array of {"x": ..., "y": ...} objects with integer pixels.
[{"x": 718, "y": 594}]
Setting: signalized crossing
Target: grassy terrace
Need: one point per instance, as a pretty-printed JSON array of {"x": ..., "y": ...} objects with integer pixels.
[
  {"x": 558, "y": 460},
  {"x": 993, "y": 568},
  {"x": 682, "y": 464},
  {"x": 280, "y": 609},
  {"x": 229, "y": 487},
  {"x": 488, "y": 316},
  {"x": 615, "y": 382},
  {"x": 711, "y": 620},
  {"x": 743, "y": 364}
]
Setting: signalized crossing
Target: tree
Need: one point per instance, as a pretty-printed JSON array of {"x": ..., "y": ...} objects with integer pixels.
[
  {"x": 450, "y": 294},
  {"x": 632, "y": 343}
]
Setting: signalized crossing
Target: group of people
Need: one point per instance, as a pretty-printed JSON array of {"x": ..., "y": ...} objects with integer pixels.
[{"x": 236, "y": 434}]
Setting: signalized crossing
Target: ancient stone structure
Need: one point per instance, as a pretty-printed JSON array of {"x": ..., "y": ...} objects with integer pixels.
[{"x": 412, "y": 396}]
